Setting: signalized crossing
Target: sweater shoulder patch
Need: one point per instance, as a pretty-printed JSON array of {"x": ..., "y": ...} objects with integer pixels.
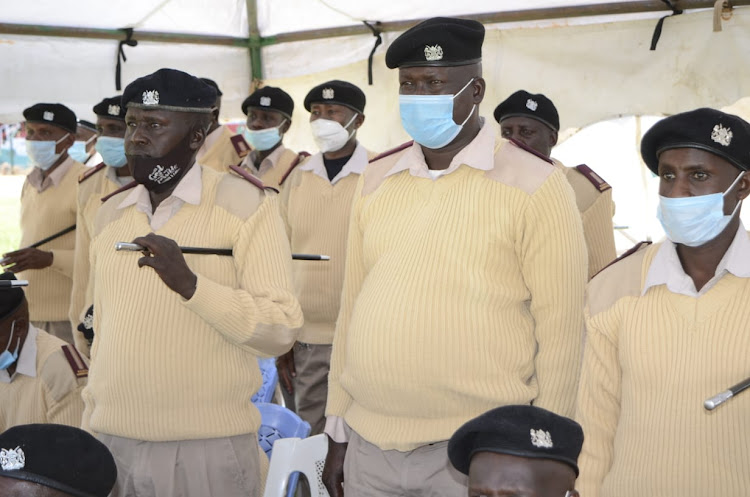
[
  {"x": 621, "y": 278},
  {"x": 90, "y": 172},
  {"x": 235, "y": 195},
  {"x": 517, "y": 167},
  {"x": 377, "y": 169},
  {"x": 251, "y": 179},
  {"x": 240, "y": 145}
]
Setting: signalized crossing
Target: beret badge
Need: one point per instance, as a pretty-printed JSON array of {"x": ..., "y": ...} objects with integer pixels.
[
  {"x": 327, "y": 93},
  {"x": 541, "y": 438},
  {"x": 434, "y": 52},
  {"x": 265, "y": 101},
  {"x": 12, "y": 459},
  {"x": 531, "y": 105},
  {"x": 48, "y": 116},
  {"x": 151, "y": 97},
  {"x": 113, "y": 110},
  {"x": 721, "y": 135}
]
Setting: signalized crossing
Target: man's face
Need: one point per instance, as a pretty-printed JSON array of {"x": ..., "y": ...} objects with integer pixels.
[
  {"x": 154, "y": 133},
  {"x": 49, "y": 132},
  {"x": 10, "y": 487},
  {"x": 334, "y": 112},
  {"x": 691, "y": 172},
  {"x": 531, "y": 132},
  {"x": 114, "y": 128},
  {"x": 501, "y": 475},
  {"x": 84, "y": 134},
  {"x": 444, "y": 81},
  {"x": 258, "y": 119}
]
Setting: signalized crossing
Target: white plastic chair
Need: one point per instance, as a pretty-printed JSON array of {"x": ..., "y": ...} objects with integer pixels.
[{"x": 307, "y": 456}]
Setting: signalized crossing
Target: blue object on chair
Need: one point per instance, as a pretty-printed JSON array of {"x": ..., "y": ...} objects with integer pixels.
[
  {"x": 279, "y": 422},
  {"x": 270, "y": 380}
]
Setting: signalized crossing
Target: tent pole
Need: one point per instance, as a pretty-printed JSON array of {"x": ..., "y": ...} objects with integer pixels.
[{"x": 254, "y": 43}]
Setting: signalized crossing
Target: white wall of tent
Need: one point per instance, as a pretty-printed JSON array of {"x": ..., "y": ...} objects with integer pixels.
[{"x": 607, "y": 84}]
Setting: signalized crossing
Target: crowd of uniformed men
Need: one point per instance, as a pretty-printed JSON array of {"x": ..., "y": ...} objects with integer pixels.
[{"x": 459, "y": 286}]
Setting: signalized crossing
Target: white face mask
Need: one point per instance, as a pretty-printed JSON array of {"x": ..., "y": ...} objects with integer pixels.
[{"x": 331, "y": 136}]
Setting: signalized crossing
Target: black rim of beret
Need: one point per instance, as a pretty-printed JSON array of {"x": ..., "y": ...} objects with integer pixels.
[
  {"x": 530, "y": 116},
  {"x": 47, "y": 482},
  {"x": 527, "y": 455}
]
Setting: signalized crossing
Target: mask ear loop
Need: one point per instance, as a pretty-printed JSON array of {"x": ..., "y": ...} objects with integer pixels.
[
  {"x": 351, "y": 133},
  {"x": 473, "y": 107},
  {"x": 731, "y": 187},
  {"x": 10, "y": 338}
]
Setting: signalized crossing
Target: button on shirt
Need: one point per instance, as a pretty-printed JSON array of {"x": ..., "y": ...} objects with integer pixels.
[
  {"x": 188, "y": 190},
  {"x": 37, "y": 180},
  {"x": 666, "y": 268},
  {"x": 356, "y": 165},
  {"x": 26, "y": 364}
]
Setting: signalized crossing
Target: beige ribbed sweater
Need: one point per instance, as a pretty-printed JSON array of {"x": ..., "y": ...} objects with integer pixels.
[
  {"x": 221, "y": 154},
  {"x": 168, "y": 369},
  {"x": 90, "y": 193},
  {"x": 54, "y": 396},
  {"x": 316, "y": 214},
  {"x": 42, "y": 215},
  {"x": 649, "y": 364},
  {"x": 460, "y": 295}
]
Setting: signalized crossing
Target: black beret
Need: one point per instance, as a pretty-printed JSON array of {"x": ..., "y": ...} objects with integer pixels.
[
  {"x": 725, "y": 135},
  {"x": 212, "y": 84},
  {"x": 111, "y": 108},
  {"x": 525, "y": 104},
  {"x": 56, "y": 114},
  {"x": 61, "y": 457},
  {"x": 10, "y": 298},
  {"x": 87, "y": 124},
  {"x": 440, "y": 41},
  {"x": 170, "y": 89},
  {"x": 337, "y": 92},
  {"x": 523, "y": 431},
  {"x": 270, "y": 98}
]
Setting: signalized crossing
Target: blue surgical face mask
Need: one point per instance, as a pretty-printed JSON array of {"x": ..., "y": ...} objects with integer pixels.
[
  {"x": 263, "y": 139},
  {"x": 695, "y": 221},
  {"x": 42, "y": 153},
  {"x": 429, "y": 118},
  {"x": 78, "y": 150},
  {"x": 6, "y": 358},
  {"x": 112, "y": 150}
]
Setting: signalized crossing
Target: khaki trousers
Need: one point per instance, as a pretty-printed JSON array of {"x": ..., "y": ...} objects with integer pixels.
[
  {"x": 423, "y": 472},
  {"x": 312, "y": 363},
  {"x": 60, "y": 329},
  {"x": 216, "y": 467}
]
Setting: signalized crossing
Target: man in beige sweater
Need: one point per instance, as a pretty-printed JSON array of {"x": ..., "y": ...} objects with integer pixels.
[
  {"x": 174, "y": 360},
  {"x": 48, "y": 206},
  {"x": 41, "y": 377},
  {"x": 315, "y": 203},
  {"x": 463, "y": 286},
  {"x": 666, "y": 328},
  {"x": 533, "y": 120}
]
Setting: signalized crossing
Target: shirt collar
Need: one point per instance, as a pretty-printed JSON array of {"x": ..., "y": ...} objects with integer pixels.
[
  {"x": 266, "y": 164},
  {"x": 38, "y": 181},
  {"x": 118, "y": 180},
  {"x": 478, "y": 154},
  {"x": 188, "y": 190},
  {"x": 355, "y": 165},
  {"x": 26, "y": 364},
  {"x": 666, "y": 268}
]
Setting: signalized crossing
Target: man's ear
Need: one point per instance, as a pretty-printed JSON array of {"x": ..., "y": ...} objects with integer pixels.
[
  {"x": 285, "y": 127},
  {"x": 66, "y": 143},
  {"x": 359, "y": 121},
  {"x": 478, "y": 86},
  {"x": 198, "y": 136},
  {"x": 744, "y": 187},
  {"x": 552, "y": 139},
  {"x": 215, "y": 115}
]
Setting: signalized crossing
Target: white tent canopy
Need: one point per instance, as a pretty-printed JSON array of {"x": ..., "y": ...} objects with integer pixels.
[{"x": 592, "y": 67}]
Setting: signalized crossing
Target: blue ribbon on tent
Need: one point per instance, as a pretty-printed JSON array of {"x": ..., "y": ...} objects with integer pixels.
[
  {"x": 129, "y": 41},
  {"x": 657, "y": 30}
]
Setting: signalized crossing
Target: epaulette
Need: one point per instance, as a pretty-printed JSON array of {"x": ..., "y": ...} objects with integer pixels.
[
  {"x": 392, "y": 151},
  {"x": 240, "y": 145},
  {"x": 251, "y": 179},
  {"x": 125, "y": 188},
  {"x": 90, "y": 172},
  {"x": 632, "y": 250},
  {"x": 75, "y": 360},
  {"x": 595, "y": 179},
  {"x": 530, "y": 150},
  {"x": 294, "y": 164}
]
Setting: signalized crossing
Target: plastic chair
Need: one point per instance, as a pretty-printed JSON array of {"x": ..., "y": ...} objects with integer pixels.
[
  {"x": 276, "y": 423},
  {"x": 306, "y": 456},
  {"x": 270, "y": 380}
]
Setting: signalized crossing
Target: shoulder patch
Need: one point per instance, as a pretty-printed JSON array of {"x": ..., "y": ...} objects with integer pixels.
[
  {"x": 530, "y": 150},
  {"x": 622, "y": 278},
  {"x": 90, "y": 172},
  {"x": 594, "y": 178},
  {"x": 251, "y": 179},
  {"x": 392, "y": 151},
  {"x": 77, "y": 364},
  {"x": 295, "y": 163},
  {"x": 125, "y": 188},
  {"x": 516, "y": 167},
  {"x": 240, "y": 145}
]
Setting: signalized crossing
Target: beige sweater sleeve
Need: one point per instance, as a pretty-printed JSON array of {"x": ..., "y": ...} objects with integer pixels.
[
  {"x": 354, "y": 275},
  {"x": 599, "y": 232},
  {"x": 62, "y": 261},
  {"x": 262, "y": 315},
  {"x": 553, "y": 264}
]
